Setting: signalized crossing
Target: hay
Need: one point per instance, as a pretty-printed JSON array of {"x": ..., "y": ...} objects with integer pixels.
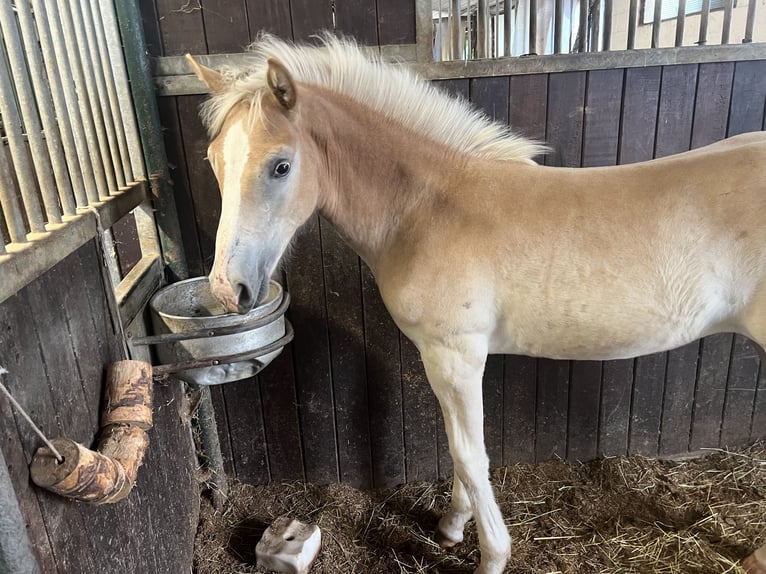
[{"x": 609, "y": 516}]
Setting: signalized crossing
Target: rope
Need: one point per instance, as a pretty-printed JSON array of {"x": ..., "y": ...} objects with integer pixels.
[{"x": 26, "y": 417}]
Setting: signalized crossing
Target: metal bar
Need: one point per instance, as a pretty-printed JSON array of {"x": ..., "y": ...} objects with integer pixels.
[
  {"x": 56, "y": 69},
  {"x": 657, "y": 23},
  {"x": 14, "y": 219},
  {"x": 532, "y": 26},
  {"x": 726, "y": 29},
  {"x": 456, "y": 31},
  {"x": 607, "y": 36},
  {"x": 26, "y": 102},
  {"x": 147, "y": 116},
  {"x": 424, "y": 31},
  {"x": 558, "y": 25},
  {"x": 17, "y": 146},
  {"x": 482, "y": 29},
  {"x": 15, "y": 549},
  {"x": 704, "y": 17},
  {"x": 42, "y": 91},
  {"x": 680, "y": 22},
  {"x": 582, "y": 31},
  {"x": 595, "y": 32},
  {"x": 111, "y": 92},
  {"x": 632, "y": 24},
  {"x": 68, "y": 48},
  {"x": 507, "y": 26},
  {"x": 27, "y": 261},
  {"x": 750, "y": 23},
  {"x": 210, "y": 446},
  {"x": 94, "y": 77},
  {"x": 58, "y": 64}
]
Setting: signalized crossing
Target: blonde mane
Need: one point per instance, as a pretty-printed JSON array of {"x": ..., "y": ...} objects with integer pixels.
[{"x": 340, "y": 65}]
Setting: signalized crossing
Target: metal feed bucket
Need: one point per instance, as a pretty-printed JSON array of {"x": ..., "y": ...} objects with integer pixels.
[{"x": 201, "y": 343}]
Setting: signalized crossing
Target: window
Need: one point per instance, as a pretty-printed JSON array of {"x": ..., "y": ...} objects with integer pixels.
[{"x": 670, "y": 9}]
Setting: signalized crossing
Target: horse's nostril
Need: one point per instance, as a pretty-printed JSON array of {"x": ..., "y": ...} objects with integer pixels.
[{"x": 245, "y": 299}]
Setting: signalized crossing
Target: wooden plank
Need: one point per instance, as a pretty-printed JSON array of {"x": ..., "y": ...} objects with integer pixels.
[
  {"x": 202, "y": 183},
  {"x": 358, "y": 19},
  {"x": 246, "y": 432},
  {"x": 272, "y": 16},
  {"x": 458, "y": 88},
  {"x": 675, "y": 114},
  {"x": 552, "y": 408},
  {"x": 679, "y": 399},
  {"x": 280, "y": 418},
  {"x": 151, "y": 27},
  {"x": 747, "y": 97},
  {"x": 528, "y": 106},
  {"x": 614, "y": 415},
  {"x": 566, "y": 102},
  {"x": 584, "y": 406},
  {"x": 740, "y": 394},
  {"x": 343, "y": 286},
  {"x": 420, "y": 409},
  {"x": 492, "y": 96},
  {"x": 639, "y": 114},
  {"x": 310, "y": 17},
  {"x": 126, "y": 243},
  {"x": 758, "y": 426},
  {"x": 519, "y": 409},
  {"x": 709, "y": 394},
  {"x": 226, "y": 29},
  {"x": 711, "y": 108},
  {"x": 174, "y": 147},
  {"x": 396, "y": 21},
  {"x": 182, "y": 30},
  {"x": 384, "y": 387},
  {"x": 603, "y": 103},
  {"x": 313, "y": 376},
  {"x": 646, "y": 410}
]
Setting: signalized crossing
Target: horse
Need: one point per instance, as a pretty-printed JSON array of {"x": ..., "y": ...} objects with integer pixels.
[{"x": 474, "y": 246}]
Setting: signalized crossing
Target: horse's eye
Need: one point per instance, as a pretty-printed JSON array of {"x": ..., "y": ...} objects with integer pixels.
[{"x": 281, "y": 169}]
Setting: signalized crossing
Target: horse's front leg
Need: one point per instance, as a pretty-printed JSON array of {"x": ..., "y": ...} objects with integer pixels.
[
  {"x": 455, "y": 373},
  {"x": 450, "y": 530}
]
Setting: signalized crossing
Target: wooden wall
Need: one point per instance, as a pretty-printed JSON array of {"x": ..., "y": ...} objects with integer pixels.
[
  {"x": 348, "y": 400},
  {"x": 56, "y": 339}
]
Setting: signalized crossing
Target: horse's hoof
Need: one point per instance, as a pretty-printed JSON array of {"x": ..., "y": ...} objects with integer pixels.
[
  {"x": 444, "y": 541},
  {"x": 756, "y": 562}
]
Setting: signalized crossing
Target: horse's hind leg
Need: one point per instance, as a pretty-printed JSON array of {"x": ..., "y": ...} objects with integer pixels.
[{"x": 455, "y": 375}]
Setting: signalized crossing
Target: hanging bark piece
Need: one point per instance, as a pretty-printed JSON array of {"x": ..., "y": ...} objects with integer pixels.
[
  {"x": 128, "y": 394},
  {"x": 84, "y": 475},
  {"x": 126, "y": 444}
]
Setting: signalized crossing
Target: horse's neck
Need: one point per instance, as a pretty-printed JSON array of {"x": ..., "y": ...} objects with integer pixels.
[{"x": 373, "y": 173}]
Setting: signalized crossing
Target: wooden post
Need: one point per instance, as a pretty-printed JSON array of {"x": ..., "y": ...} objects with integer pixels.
[{"x": 756, "y": 562}]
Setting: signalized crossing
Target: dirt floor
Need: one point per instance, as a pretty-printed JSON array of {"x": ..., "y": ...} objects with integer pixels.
[{"x": 610, "y": 516}]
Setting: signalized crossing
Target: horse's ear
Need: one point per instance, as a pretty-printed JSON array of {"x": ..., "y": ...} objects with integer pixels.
[
  {"x": 281, "y": 84},
  {"x": 211, "y": 78}
]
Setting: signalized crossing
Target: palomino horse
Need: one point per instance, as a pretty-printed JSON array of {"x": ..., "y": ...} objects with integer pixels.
[{"x": 475, "y": 248}]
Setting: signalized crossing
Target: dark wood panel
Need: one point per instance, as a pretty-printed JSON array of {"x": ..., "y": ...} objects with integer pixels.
[
  {"x": 748, "y": 97},
  {"x": 603, "y": 103},
  {"x": 151, "y": 27},
  {"x": 181, "y": 30},
  {"x": 310, "y": 17},
  {"x": 202, "y": 183},
  {"x": 711, "y": 110},
  {"x": 679, "y": 399},
  {"x": 675, "y": 114},
  {"x": 566, "y": 101},
  {"x": 715, "y": 354},
  {"x": 639, "y": 114},
  {"x": 552, "y": 409},
  {"x": 493, "y": 388},
  {"x": 646, "y": 410},
  {"x": 614, "y": 415},
  {"x": 384, "y": 387},
  {"x": 343, "y": 285},
  {"x": 246, "y": 431},
  {"x": 358, "y": 19},
  {"x": 457, "y": 87},
  {"x": 396, "y": 21},
  {"x": 519, "y": 409},
  {"x": 226, "y": 29},
  {"x": 528, "y": 105},
  {"x": 740, "y": 393},
  {"x": 272, "y": 16},
  {"x": 758, "y": 427},
  {"x": 492, "y": 95},
  {"x": 313, "y": 377},
  {"x": 584, "y": 406}
]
